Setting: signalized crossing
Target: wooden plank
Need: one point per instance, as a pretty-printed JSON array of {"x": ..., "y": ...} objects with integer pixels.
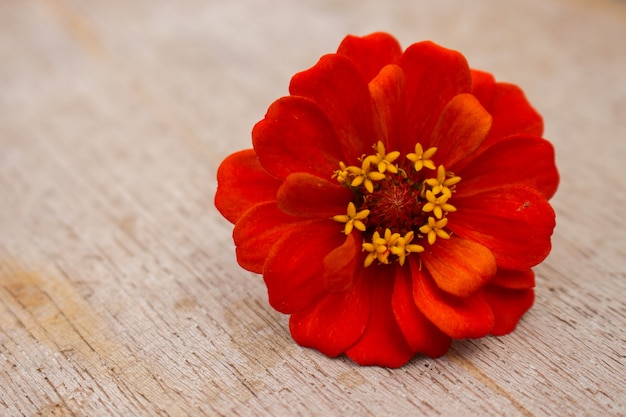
[{"x": 119, "y": 291}]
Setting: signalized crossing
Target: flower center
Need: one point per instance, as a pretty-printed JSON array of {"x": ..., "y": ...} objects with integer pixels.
[
  {"x": 395, "y": 204},
  {"x": 397, "y": 207}
]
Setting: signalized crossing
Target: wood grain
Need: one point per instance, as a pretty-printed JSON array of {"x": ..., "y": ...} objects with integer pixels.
[{"x": 119, "y": 291}]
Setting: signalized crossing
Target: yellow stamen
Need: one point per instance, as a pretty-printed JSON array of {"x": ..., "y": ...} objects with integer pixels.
[
  {"x": 421, "y": 159},
  {"x": 444, "y": 183},
  {"x": 437, "y": 204},
  {"x": 434, "y": 229},
  {"x": 403, "y": 247},
  {"x": 352, "y": 219},
  {"x": 342, "y": 174},
  {"x": 365, "y": 176},
  {"x": 379, "y": 248},
  {"x": 382, "y": 160}
]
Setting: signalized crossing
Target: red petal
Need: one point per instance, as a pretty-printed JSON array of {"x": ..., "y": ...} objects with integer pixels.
[
  {"x": 257, "y": 231},
  {"x": 523, "y": 160},
  {"x": 305, "y": 195},
  {"x": 242, "y": 183},
  {"x": 514, "y": 222},
  {"x": 371, "y": 53},
  {"x": 459, "y": 266},
  {"x": 459, "y": 318},
  {"x": 512, "y": 114},
  {"x": 387, "y": 91},
  {"x": 337, "y": 87},
  {"x": 434, "y": 75},
  {"x": 296, "y": 136},
  {"x": 460, "y": 130},
  {"x": 294, "y": 268},
  {"x": 342, "y": 263},
  {"x": 483, "y": 87},
  {"x": 421, "y": 335},
  {"x": 515, "y": 280},
  {"x": 334, "y": 323},
  {"x": 508, "y": 307},
  {"x": 382, "y": 343}
]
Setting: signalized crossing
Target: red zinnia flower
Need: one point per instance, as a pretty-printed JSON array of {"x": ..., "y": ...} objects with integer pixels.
[{"x": 393, "y": 202}]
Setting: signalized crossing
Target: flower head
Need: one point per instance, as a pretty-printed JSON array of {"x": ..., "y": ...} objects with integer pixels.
[{"x": 394, "y": 201}]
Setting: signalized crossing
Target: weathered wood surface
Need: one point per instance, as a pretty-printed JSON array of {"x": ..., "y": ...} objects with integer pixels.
[{"x": 119, "y": 292}]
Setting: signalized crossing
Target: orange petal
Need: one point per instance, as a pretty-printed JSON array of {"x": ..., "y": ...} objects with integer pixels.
[
  {"x": 387, "y": 91},
  {"x": 461, "y": 128},
  {"x": 459, "y": 266},
  {"x": 458, "y": 317}
]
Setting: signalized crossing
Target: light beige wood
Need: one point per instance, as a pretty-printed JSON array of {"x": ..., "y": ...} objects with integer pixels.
[{"x": 119, "y": 291}]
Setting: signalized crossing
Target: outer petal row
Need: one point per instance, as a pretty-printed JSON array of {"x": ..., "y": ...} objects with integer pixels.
[
  {"x": 335, "y": 322},
  {"x": 243, "y": 183},
  {"x": 296, "y": 136},
  {"x": 371, "y": 53},
  {"x": 518, "y": 160},
  {"x": 514, "y": 222},
  {"x": 257, "y": 230},
  {"x": 294, "y": 270},
  {"x": 336, "y": 86},
  {"x": 434, "y": 75},
  {"x": 382, "y": 342},
  {"x": 458, "y": 317},
  {"x": 511, "y": 111}
]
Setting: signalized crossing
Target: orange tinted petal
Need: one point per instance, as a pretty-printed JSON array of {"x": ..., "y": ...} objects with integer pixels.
[
  {"x": 458, "y": 317},
  {"x": 382, "y": 342},
  {"x": 336, "y": 85},
  {"x": 293, "y": 133},
  {"x": 305, "y": 195},
  {"x": 434, "y": 75},
  {"x": 387, "y": 91},
  {"x": 459, "y": 266},
  {"x": 461, "y": 128},
  {"x": 242, "y": 183},
  {"x": 508, "y": 307},
  {"x": 420, "y": 334},
  {"x": 370, "y": 53}
]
